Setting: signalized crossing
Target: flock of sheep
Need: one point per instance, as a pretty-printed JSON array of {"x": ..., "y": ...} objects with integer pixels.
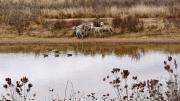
[{"x": 85, "y": 29}]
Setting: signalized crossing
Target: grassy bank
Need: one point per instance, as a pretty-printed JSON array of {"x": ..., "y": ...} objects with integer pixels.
[
  {"x": 123, "y": 27},
  {"x": 55, "y": 18}
]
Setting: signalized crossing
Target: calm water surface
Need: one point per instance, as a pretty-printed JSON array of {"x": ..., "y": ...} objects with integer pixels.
[{"x": 85, "y": 71}]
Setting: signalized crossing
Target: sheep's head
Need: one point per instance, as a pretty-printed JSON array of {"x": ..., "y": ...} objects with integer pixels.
[
  {"x": 92, "y": 25},
  {"x": 74, "y": 28},
  {"x": 101, "y": 23}
]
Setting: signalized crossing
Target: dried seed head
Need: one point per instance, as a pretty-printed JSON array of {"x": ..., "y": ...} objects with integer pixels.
[
  {"x": 125, "y": 74},
  {"x": 115, "y": 70},
  {"x": 5, "y": 86},
  {"x": 134, "y": 77},
  {"x": 167, "y": 67},
  {"x": 171, "y": 71},
  {"x": 24, "y": 79},
  {"x": 165, "y": 63},
  {"x": 107, "y": 94},
  {"x": 30, "y": 85},
  {"x": 175, "y": 64},
  {"x": 125, "y": 97},
  {"x": 8, "y": 80},
  {"x": 126, "y": 86},
  {"x": 104, "y": 79},
  {"x": 169, "y": 58}
]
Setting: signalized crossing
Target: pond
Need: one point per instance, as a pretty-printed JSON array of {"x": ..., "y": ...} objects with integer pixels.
[{"x": 85, "y": 69}]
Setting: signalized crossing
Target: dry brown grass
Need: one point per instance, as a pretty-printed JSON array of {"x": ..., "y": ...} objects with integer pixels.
[
  {"x": 149, "y": 11},
  {"x": 92, "y": 8}
]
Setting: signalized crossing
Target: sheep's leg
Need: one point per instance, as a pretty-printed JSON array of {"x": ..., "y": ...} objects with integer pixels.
[
  {"x": 85, "y": 33},
  {"x": 101, "y": 31},
  {"x": 94, "y": 33},
  {"x": 77, "y": 35},
  {"x": 100, "y": 34},
  {"x": 111, "y": 31},
  {"x": 81, "y": 35}
]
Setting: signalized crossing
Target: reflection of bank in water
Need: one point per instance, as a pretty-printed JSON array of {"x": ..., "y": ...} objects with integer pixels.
[{"x": 134, "y": 51}]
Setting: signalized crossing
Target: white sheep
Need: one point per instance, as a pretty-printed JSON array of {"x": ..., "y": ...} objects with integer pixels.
[
  {"x": 78, "y": 32},
  {"x": 96, "y": 30},
  {"x": 86, "y": 27},
  {"x": 106, "y": 28}
]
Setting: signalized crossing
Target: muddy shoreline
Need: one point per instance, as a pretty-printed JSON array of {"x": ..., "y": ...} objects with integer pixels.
[{"x": 29, "y": 41}]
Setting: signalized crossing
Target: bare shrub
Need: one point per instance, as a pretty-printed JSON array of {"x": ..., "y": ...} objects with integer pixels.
[
  {"x": 58, "y": 25},
  {"x": 133, "y": 24},
  {"x": 116, "y": 22},
  {"x": 129, "y": 23},
  {"x": 19, "y": 20}
]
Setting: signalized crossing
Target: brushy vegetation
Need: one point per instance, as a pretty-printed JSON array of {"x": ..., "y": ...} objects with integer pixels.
[
  {"x": 135, "y": 90},
  {"x": 128, "y": 23},
  {"x": 19, "y": 21}
]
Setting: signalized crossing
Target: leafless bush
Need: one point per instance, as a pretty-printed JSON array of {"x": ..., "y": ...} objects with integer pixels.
[
  {"x": 58, "y": 25},
  {"x": 129, "y": 23},
  {"x": 19, "y": 20},
  {"x": 117, "y": 22}
]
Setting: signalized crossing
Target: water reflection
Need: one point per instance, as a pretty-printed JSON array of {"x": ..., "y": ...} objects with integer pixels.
[
  {"x": 85, "y": 68},
  {"x": 134, "y": 51}
]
